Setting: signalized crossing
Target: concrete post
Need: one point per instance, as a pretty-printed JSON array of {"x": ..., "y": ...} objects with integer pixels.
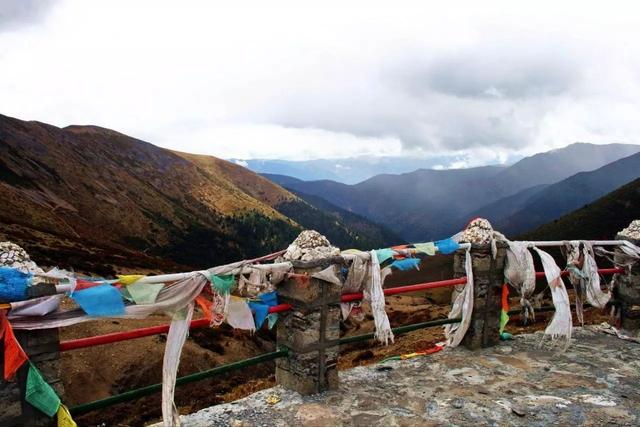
[
  {"x": 310, "y": 331},
  {"x": 488, "y": 275},
  {"x": 42, "y": 347},
  {"x": 627, "y": 293}
]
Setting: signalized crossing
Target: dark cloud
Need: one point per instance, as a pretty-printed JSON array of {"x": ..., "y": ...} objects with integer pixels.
[
  {"x": 18, "y": 13},
  {"x": 494, "y": 69}
]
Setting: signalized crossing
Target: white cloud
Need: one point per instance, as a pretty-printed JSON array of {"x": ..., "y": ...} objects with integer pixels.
[{"x": 283, "y": 80}]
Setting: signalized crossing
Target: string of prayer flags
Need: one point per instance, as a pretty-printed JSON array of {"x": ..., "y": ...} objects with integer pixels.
[
  {"x": 447, "y": 246},
  {"x": 103, "y": 300},
  {"x": 40, "y": 394}
]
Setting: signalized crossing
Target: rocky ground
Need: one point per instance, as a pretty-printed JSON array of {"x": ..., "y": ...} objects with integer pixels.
[{"x": 594, "y": 382}]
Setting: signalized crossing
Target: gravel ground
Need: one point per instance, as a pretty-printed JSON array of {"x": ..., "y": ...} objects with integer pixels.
[{"x": 594, "y": 382}]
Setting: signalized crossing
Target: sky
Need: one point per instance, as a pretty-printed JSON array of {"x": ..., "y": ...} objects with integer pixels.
[{"x": 484, "y": 81}]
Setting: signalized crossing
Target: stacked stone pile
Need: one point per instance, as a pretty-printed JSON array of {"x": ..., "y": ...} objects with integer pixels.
[{"x": 14, "y": 256}]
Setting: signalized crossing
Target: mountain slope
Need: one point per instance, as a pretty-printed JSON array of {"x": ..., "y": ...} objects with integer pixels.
[
  {"x": 601, "y": 219},
  {"x": 429, "y": 204},
  {"x": 570, "y": 194},
  {"x": 107, "y": 200},
  {"x": 367, "y": 234},
  {"x": 341, "y": 227}
]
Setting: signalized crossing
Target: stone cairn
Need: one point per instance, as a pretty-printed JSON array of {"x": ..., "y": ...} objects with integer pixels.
[
  {"x": 14, "y": 256},
  {"x": 310, "y": 245},
  {"x": 488, "y": 259},
  {"x": 312, "y": 328}
]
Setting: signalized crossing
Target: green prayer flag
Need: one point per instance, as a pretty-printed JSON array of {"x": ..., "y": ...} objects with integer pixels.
[
  {"x": 143, "y": 293},
  {"x": 272, "y": 318},
  {"x": 40, "y": 394},
  {"x": 223, "y": 284},
  {"x": 384, "y": 254},
  {"x": 504, "y": 319},
  {"x": 426, "y": 248}
]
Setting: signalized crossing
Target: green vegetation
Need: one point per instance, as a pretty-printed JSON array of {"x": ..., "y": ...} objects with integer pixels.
[{"x": 342, "y": 228}]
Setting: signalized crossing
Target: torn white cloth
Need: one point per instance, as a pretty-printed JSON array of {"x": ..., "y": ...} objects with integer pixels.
[
  {"x": 462, "y": 307},
  {"x": 175, "y": 341},
  {"x": 520, "y": 273},
  {"x": 612, "y": 330},
  {"x": 561, "y": 323},
  {"x": 353, "y": 283},
  {"x": 374, "y": 295},
  {"x": 239, "y": 314},
  {"x": 328, "y": 275},
  {"x": 585, "y": 272},
  {"x": 35, "y": 307}
]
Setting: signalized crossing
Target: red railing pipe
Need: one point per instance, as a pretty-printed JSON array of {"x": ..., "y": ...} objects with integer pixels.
[{"x": 409, "y": 288}]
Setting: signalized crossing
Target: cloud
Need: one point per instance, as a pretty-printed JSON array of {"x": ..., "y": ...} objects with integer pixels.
[
  {"x": 242, "y": 163},
  {"x": 15, "y": 14},
  {"x": 479, "y": 82}
]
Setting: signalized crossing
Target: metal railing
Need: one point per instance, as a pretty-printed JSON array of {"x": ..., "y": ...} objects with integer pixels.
[{"x": 279, "y": 353}]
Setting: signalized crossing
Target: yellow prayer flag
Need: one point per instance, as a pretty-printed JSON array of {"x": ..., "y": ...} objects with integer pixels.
[
  {"x": 64, "y": 417},
  {"x": 128, "y": 279}
]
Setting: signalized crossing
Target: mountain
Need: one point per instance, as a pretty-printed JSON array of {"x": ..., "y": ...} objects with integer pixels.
[
  {"x": 570, "y": 194},
  {"x": 601, "y": 219},
  {"x": 368, "y": 234},
  {"x": 97, "y": 200},
  {"x": 555, "y": 165},
  {"x": 429, "y": 204},
  {"x": 350, "y": 170}
]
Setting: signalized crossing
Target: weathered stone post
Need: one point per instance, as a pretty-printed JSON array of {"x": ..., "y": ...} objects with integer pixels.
[
  {"x": 488, "y": 277},
  {"x": 627, "y": 291},
  {"x": 310, "y": 330},
  {"x": 42, "y": 347}
]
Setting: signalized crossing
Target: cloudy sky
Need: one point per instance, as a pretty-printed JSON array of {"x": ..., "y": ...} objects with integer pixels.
[{"x": 276, "y": 80}]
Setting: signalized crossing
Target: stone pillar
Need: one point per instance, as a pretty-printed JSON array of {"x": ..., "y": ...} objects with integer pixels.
[
  {"x": 627, "y": 293},
  {"x": 310, "y": 331},
  {"x": 42, "y": 347},
  {"x": 488, "y": 275}
]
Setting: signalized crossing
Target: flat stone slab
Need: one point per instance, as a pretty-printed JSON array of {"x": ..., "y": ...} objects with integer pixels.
[{"x": 595, "y": 382}]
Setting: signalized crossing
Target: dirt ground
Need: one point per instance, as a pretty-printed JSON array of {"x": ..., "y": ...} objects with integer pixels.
[{"x": 98, "y": 372}]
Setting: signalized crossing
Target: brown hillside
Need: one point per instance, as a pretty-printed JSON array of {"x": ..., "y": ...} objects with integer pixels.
[{"x": 105, "y": 189}]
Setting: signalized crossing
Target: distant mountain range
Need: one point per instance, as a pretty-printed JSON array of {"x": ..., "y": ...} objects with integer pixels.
[
  {"x": 429, "y": 204},
  {"x": 95, "y": 199},
  {"x": 351, "y": 170}
]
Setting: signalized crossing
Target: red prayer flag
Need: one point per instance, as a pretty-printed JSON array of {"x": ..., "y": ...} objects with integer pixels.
[{"x": 14, "y": 355}]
